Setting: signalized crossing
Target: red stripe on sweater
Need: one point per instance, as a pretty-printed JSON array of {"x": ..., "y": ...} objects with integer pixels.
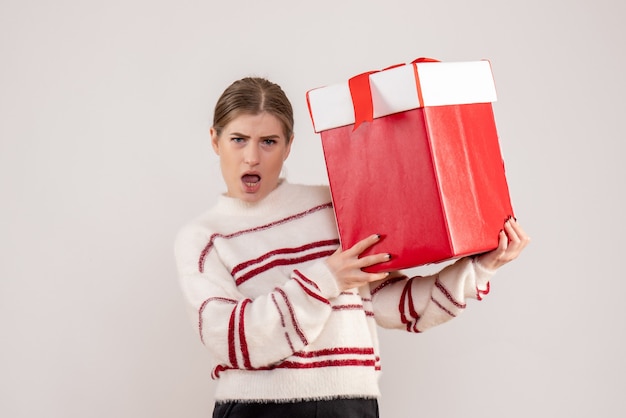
[
  {"x": 481, "y": 293},
  {"x": 325, "y": 363},
  {"x": 310, "y": 292},
  {"x": 281, "y": 251},
  {"x": 387, "y": 283},
  {"x": 282, "y": 262},
  {"x": 315, "y": 365},
  {"x": 242, "y": 336},
  {"x": 294, "y": 320},
  {"x": 280, "y": 313},
  {"x": 448, "y": 295},
  {"x": 306, "y": 279},
  {"x": 201, "y": 310},
  {"x": 289, "y": 342},
  {"x": 282, "y": 321},
  {"x": 412, "y": 310},
  {"x": 217, "y": 370},
  {"x": 414, "y": 316},
  {"x": 442, "y": 307},
  {"x": 350, "y": 307},
  {"x": 335, "y": 351},
  {"x": 213, "y": 237},
  {"x": 232, "y": 355}
]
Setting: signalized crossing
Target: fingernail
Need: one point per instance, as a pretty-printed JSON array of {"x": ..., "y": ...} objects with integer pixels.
[
  {"x": 377, "y": 236},
  {"x": 388, "y": 256}
]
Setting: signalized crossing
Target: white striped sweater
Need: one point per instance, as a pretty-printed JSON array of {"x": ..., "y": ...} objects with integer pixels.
[{"x": 269, "y": 310}]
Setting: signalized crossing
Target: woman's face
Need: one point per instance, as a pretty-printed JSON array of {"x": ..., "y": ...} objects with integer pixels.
[{"x": 252, "y": 149}]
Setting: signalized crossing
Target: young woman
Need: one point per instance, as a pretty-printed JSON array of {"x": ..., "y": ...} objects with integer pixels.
[{"x": 289, "y": 318}]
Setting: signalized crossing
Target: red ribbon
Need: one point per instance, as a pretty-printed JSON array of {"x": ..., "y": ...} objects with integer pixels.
[
  {"x": 424, "y": 59},
  {"x": 361, "y": 92}
]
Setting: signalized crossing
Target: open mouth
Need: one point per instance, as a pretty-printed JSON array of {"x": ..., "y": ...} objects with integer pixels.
[{"x": 251, "y": 180}]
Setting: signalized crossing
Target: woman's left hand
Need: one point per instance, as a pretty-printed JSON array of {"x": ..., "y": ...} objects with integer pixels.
[{"x": 512, "y": 241}]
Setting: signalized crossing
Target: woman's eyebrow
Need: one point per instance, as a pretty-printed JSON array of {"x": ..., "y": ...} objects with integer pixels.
[{"x": 240, "y": 135}]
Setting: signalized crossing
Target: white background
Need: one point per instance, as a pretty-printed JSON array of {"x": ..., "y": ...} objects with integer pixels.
[{"x": 104, "y": 154}]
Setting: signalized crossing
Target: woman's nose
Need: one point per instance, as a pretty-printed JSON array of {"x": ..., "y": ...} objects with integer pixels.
[{"x": 251, "y": 155}]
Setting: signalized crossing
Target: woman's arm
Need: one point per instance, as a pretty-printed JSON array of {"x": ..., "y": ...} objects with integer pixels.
[
  {"x": 419, "y": 303},
  {"x": 247, "y": 333}
]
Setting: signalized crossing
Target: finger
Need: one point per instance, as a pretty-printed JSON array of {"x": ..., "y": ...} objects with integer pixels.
[
  {"x": 511, "y": 233},
  {"x": 517, "y": 238},
  {"x": 373, "y": 277},
  {"x": 520, "y": 232},
  {"x": 364, "y": 244},
  {"x": 370, "y": 260},
  {"x": 364, "y": 278},
  {"x": 503, "y": 242}
]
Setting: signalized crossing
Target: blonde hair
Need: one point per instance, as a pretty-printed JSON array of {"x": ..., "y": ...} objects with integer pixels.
[{"x": 253, "y": 95}]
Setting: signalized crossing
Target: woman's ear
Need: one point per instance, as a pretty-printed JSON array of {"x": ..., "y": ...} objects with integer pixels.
[{"x": 214, "y": 140}]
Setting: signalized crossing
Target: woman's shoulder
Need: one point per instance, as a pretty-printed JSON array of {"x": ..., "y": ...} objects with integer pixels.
[
  {"x": 229, "y": 216},
  {"x": 196, "y": 231},
  {"x": 314, "y": 192}
]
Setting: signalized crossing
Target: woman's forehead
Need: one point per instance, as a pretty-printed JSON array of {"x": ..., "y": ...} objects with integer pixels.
[{"x": 258, "y": 124}]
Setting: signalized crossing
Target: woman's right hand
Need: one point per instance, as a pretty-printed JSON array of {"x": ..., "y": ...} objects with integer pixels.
[{"x": 346, "y": 265}]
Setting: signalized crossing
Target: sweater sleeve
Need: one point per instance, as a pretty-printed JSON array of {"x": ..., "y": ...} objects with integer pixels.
[
  {"x": 419, "y": 303},
  {"x": 245, "y": 333}
]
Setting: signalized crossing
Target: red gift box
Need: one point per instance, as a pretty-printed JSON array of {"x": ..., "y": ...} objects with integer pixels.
[{"x": 412, "y": 153}]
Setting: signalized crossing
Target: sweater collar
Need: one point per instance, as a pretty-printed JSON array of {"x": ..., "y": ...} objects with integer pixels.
[{"x": 269, "y": 204}]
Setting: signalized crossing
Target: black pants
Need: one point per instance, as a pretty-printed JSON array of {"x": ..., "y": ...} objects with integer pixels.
[{"x": 335, "y": 408}]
